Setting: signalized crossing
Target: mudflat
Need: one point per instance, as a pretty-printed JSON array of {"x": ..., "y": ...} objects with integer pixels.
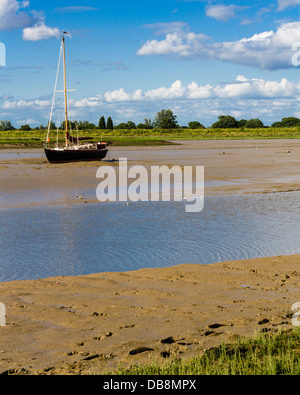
[
  {"x": 231, "y": 167},
  {"x": 95, "y": 323}
]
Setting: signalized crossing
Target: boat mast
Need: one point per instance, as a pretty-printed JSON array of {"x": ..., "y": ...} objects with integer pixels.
[{"x": 66, "y": 98}]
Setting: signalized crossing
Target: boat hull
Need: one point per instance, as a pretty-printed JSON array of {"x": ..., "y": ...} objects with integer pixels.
[{"x": 81, "y": 155}]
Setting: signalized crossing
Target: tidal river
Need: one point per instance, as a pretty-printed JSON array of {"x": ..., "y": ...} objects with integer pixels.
[{"x": 67, "y": 240}]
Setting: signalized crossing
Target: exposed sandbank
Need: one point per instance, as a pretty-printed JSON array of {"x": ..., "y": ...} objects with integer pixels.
[
  {"x": 92, "y": 323},
  {"x": 72, "y": 325},
  {"x": 231, "y": 167}
]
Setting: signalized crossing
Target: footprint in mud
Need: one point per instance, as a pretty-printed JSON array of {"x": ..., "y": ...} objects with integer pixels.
[
  {"x": 140, "y": 350},
  {"x": 215, "y": 326}
]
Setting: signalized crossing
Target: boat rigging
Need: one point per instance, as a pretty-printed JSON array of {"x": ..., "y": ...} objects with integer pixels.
[{"x": 73, "y": 151}]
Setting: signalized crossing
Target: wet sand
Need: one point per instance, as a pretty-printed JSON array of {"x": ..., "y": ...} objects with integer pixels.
[
  {"x": 86, "y": 324},
  {"x": 231, "y": 167},
  {"x": 94, "y": 323}
]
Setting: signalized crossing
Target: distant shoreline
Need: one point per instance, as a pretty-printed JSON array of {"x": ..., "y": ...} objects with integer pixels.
[
  {"x": 152, "y": 142},
  {"x": 128, "y": 137}
]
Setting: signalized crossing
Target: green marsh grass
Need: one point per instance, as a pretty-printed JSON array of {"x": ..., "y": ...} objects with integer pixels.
[
  {"x": 125, "y": 137},
  {"x": 264, "y": 354}
]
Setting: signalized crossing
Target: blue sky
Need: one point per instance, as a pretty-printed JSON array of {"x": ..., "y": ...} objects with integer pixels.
[{"x": 130, "y": 59}]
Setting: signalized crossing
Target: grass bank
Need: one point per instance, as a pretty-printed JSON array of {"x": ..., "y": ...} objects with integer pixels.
[
  {"x": 264, "y": 354},
  {"x": 126, "y": 137}
]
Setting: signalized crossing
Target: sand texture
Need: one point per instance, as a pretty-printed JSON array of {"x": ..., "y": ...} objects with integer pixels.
[
  {"x": 72, "y": 325},
  {"x": 231, "y": 167},
  {"x": 86, "y": 324}
]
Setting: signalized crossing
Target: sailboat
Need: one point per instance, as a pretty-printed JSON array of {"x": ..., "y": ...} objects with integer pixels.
[{"x": 75, "y": 150}]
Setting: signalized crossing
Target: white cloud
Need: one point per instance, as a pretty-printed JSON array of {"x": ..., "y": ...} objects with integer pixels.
[
  {"x": 222, "y": 12},
  {"x": 257, "y": 88},
  {"x": 270, "y": 100},
  {"x": 283, "y": 4},
  {"x": 25, "y": 104},
  {"x": 13, "y": 16},
  {"x": 200, "y": 92},
  {"x": 267, "y": 50},
  {"x": 177, "y": 90},
  {"x": 241, "y": 88},
  {"x": 121, "y": 95},
  {"x": 28, "y": 121},
  {"x": 87, "y": 102},
  {"x": 176, "y": 44},
  {"x": 40, "y": 32}
]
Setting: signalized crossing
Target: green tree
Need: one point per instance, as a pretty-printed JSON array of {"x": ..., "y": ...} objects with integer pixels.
[
  {"x": 131, "y": 125},
  {"x": 277, "y": 125},
  {"x": 25, "y": 127},
  {"x": 254, "y": 123},
  {"x": 109, "y": 124},
  {"x": 242, "y": 123},
  {"x": 102, "y": 124},
  {"x": 195, "y": 125},
  {"x": 143, "y": 126},
  {"x": 225, "y": 122},
  {"x": 165, "y": 119},
  {"x": 146, "y": 125},
  {"x": 52, "y": 125},
  {"x": 6, "y": 125},
  {"x": 122, "y": 125},
  {"x": 71, "y": 125},
  {"x": 84, "y": 125},
  {"x": 290, "y": 122},
  {"x": 127, "y": 125},
  {"x": 9, "y": 126}
]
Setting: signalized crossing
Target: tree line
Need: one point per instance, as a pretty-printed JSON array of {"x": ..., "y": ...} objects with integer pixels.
[{"x": 164, "y": 119}]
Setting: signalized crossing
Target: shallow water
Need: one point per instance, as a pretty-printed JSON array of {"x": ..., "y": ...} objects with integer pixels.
[
  {"x": 20, "y": 154},
  {"x": 42, "y": 242}
]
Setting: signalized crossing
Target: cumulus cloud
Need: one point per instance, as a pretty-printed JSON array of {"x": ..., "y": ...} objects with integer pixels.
[
  {"x": 40, "y": 32},
  {"x": 25, "y": 104},
  {"x": 241, "y": 88},
  {"x": 121, "y": 95},
  {"x": 176, "y": 90},
  {"x": 283, "y": 4},
  {"x": 91, "y": 102},
  {"x": 27, "y": 121},
  {"x": 268, "y": 50},
  {"x": 13, "y": 16},
  {"x": 177, "y": 44},
  {"x": 223, "y": 12},
  {"x": 243, "y": 98}
]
